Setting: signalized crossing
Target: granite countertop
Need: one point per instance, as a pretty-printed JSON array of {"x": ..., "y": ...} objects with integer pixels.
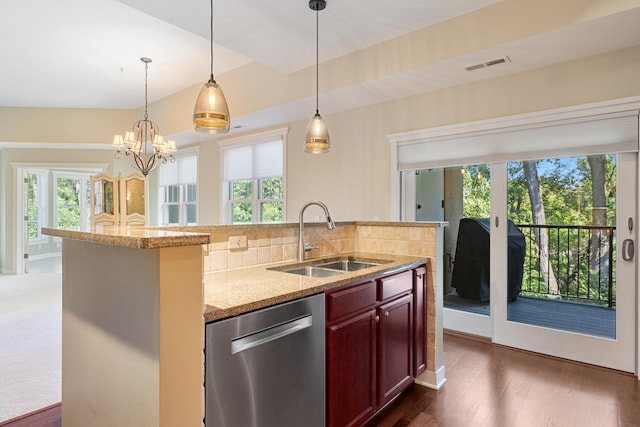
[
  {"x": 233, "y": 292},
  {"x": 131, "y": 237},
  {"x": 204, "y": 228}
]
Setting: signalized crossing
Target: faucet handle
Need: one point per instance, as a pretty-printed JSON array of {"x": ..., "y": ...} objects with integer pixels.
[{"x": 307, "y": 248}]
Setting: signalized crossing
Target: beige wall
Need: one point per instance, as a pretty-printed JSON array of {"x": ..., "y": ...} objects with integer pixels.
[
  {"x": 63, "y": 125},
  {"x": 353, "y": 178}
]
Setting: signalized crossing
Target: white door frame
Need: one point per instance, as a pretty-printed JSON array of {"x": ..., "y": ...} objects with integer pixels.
[
  {"x": 19, "y": 169},
  {"x": 399, "y": 208}
]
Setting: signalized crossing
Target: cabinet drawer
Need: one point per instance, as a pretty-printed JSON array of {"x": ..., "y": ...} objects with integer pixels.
[
  {"x": 350, "y": 300},
  {"x": 395, "y": 285}
]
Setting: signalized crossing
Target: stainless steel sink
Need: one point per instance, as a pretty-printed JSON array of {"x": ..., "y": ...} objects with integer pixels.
[
  {"x": 327, "y": 269},
  {"x": 312, "y": 271},
  {"x": 348, "y": 265}
]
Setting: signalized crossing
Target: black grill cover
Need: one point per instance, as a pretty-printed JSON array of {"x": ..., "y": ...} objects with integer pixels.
[{"x": 471, "y": 267}]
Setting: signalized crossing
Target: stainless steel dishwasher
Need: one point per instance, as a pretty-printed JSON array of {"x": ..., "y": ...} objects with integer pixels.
[{"x": 267, "y": 368}]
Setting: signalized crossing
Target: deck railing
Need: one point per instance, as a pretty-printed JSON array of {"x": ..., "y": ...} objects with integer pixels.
[{"x": 579, "y": 266}]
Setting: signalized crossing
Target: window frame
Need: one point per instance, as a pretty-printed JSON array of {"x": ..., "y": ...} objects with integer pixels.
[
  {"x": 41, "y": 205},
  {"x": 183, "y": 192},
  {"x": 227, "y": 201},
  {"x": 84, "y": 202}
]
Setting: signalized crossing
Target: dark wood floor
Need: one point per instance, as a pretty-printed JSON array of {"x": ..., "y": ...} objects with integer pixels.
[
  {"x": 48, "y": 417},
  {"x": 493, "y": 386}
]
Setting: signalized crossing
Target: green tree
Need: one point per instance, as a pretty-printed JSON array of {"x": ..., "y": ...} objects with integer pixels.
[
  {"x": 69, "y": 193},
  {"x": 33, "y": 202},
  {"x": 242, "y": 205},
  {"x": 567, "y": 196},
  {"x": 476, "y": 184}
]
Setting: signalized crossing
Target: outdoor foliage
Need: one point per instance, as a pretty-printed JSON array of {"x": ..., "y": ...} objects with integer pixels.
[
  {"x": 269, "y": 200},
  {"x": 33, "y": 201},
  {"x": 566, "y": 188},
  {"x": 476, "y": 184},
  {"x": 69, "y": 191}
]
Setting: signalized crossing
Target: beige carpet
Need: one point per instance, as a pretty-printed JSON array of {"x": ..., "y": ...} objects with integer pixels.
[{"x": 30, "y": 342}]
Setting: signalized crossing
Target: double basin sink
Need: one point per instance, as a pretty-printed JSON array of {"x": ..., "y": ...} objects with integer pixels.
[{"x": 329, "y": 268}]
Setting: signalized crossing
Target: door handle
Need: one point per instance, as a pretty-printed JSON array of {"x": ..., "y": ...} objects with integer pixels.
[{"x": 628, "y": 250}]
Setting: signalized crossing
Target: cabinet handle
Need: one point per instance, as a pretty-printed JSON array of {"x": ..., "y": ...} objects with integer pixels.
[
  {"x": 386, "y": 314},
  {"x": 377, "y": 319}
]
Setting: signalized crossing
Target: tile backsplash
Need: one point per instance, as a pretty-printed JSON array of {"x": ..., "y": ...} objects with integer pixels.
[{"x": 270, "y": 244}]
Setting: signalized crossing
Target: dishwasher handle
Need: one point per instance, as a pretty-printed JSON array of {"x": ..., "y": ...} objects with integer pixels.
[{"x": 271, "y": 334}]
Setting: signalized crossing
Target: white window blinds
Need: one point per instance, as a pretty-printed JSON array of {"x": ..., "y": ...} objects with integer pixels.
[
  {"x": 595, "y": 134},
  {"x": 183, "y": 171},
  {"x": 253, "y": 161}
]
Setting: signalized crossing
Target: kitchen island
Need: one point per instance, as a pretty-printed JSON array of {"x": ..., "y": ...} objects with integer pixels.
[
  {"x": 132, "y": 329},
  {"x": 135, "y": 302}
]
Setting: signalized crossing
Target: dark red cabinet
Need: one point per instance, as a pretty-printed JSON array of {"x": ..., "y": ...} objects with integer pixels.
[
  {"x": 370, "y": 346},
  {"x": 351, "y": 370},
  {"x": 395, "y": 347}
]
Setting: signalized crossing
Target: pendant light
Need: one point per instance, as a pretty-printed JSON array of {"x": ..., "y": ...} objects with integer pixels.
[
  {"x": 211, "y": 113},
  {"x": 317, "y": 139}
]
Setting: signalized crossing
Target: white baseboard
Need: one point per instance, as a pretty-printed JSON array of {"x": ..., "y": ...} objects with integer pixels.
[
  {"x": 45, "y": 256},
  {"x": 433, "y": 380}
]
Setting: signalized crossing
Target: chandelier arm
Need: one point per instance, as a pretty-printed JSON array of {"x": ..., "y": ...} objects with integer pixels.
[
  {"x": 138, "y": 163},
  {"x": 151, "y": 163}
]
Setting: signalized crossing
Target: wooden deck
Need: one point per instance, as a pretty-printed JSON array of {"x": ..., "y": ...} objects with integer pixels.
[{"x": 557, "y": 314}]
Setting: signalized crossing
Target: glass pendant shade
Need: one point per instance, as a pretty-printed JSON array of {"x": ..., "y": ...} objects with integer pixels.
[
  {"x": 211, "y": 113},
  {"x": 317, "y": 139}
]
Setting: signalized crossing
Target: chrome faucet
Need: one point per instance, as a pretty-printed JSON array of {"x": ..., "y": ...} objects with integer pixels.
[{"x": 302, "y": 248}]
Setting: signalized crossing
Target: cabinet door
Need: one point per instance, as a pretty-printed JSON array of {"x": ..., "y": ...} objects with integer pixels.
[
  {"x": 419, "y": 321},
  {"x": 395, "y": 347},
  {"x": 134, "y": 189},
  {"x": 351, "y": 373}
]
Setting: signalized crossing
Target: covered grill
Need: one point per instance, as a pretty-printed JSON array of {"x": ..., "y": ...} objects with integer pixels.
[{"x": 471, "y": 267}]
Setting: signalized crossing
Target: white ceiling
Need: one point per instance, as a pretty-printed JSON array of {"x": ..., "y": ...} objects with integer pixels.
[{"x": 85, "y": 53}]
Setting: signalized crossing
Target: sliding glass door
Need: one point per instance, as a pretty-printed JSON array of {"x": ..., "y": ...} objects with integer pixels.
[
  {"x": 563, "y": 283},
  {"x": 561, "y": 229},
  {"x": 545, "y": 263}
]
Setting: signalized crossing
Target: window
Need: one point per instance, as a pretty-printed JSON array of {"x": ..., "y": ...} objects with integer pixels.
[
  {"x": 72, "y": 200},
  {"x": 37, "y": 204},
  {"x": 178, "y": 190},
  {"x": 253, "y": 183}
]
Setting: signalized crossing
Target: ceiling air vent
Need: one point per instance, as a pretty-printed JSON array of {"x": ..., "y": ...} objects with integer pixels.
[{"x": 488, "y": 63}]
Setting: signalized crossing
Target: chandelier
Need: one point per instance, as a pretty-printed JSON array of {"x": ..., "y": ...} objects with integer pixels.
[{"x": 135, "y": 142}]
